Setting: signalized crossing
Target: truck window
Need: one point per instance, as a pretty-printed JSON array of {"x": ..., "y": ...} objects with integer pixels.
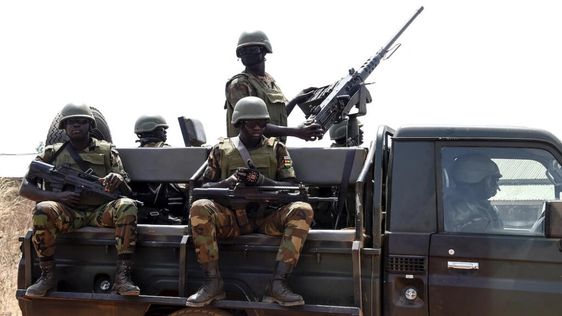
[{"x": 497, "y": 190}]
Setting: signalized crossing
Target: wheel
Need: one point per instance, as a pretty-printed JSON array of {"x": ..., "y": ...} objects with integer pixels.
[
  {"x": 204, "y": 311},
  {"x": 56, "y": 135}
]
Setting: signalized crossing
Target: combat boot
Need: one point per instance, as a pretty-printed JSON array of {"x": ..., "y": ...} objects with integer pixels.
[
  {"x": 46, "y": 282},
  {"x": 212, "y": 289},
  {"x": 123, "y": 284},
  {"x": 278, "y": 291}
]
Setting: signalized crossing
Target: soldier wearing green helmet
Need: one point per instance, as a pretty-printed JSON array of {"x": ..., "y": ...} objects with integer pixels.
[
  {"x": 347, "y": 133},
  {"x": 157, "y": 208},
  {"x": 151, "y": 131},
  {"x": 268, "y": 163},
  {"x": 467, "y": 208},
  {"x": 254, "y": 81},
  {"x": 65, "y": 211},
  {"x": 73, "y": 111}
]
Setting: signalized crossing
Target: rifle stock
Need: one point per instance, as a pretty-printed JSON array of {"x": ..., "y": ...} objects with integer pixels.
[{"x": 330, "y": 104}]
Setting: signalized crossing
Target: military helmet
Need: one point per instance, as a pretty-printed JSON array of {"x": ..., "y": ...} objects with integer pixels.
[
  {"x": 249, "y": 108},
  {"x": 350, "y": 128},
  {"x": 253, "y": 38},
  {"x": 474, "y": 168},
  {"x": 72, "y": 110},
  {"x": 339, "y": 130},
  {"x": 148, "y": 123}
]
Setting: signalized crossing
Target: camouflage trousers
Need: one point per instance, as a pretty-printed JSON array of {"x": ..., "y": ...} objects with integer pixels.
[
  {"x": 211, "y": 221},
  {"x": 51, "y": 218}
]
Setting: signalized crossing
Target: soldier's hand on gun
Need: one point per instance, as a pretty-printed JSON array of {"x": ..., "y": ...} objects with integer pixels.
[
  {"x": 112, "y": 181},
  {"x": 310, "y": 132},
  {"x": 249, "y": 176},
  {"x": 69, "y": 198},
  {"x": 232, "y": 180}
]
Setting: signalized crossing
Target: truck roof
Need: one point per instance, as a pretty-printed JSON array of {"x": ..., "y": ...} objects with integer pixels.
[{"x": 474, "y": 132}]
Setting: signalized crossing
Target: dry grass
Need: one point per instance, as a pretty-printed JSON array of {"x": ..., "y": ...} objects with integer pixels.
[{"x": 15, "y": 220}]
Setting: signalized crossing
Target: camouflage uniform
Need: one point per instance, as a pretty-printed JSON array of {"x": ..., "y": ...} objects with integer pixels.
[
  {"x": 247, "y": 84},
  {"x": 51, "y": 218},
  {"x": 211, "y": 221}
]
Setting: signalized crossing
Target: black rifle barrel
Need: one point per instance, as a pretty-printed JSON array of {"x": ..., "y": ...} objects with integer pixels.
[
  {"x": 368, "y": 67},
  {"x": 66, "y": 176},
  {"x": 330, "y": 108}
]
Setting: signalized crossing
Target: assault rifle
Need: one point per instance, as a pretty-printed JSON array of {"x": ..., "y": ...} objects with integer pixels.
[
  {"x": 251, "y": 201},
  {"x": 240, "y": 196},
  {"x": 65, "y": 178},
  {"x": 330, "y": 104}
]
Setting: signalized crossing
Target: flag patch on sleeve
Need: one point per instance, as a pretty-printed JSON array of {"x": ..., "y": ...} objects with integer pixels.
[{"x": 287, "y": 162}]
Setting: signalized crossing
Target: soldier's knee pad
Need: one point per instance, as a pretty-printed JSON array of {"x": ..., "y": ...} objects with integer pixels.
[
  {"x": 44, "y": 208},
  {"x": 201, "y": 208},
  {"x": 305, "y": 208}
]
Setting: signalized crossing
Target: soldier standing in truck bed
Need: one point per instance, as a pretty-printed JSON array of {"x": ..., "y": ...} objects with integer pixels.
[
  {"x": 254, "y": 81},
  {"x": 66, "y": 211},
  {"x": 211, "y": 221}
]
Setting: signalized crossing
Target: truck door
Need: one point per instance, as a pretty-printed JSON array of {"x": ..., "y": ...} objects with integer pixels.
[{"x": 490, "y": 256}]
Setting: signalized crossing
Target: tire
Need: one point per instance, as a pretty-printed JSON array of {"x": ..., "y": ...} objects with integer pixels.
[
  {"x": 56, "y": 135},
  {"x": 200, "y": 312}
]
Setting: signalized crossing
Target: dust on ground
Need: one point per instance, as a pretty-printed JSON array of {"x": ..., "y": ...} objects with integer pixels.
[{"x": 15, "y": 220}]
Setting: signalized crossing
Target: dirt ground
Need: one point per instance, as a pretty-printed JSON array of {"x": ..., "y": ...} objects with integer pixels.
[{"x": 15, "y": 220}]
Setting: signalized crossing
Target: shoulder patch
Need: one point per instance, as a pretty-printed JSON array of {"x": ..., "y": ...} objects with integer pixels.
[{"x": 287, "y": 162}]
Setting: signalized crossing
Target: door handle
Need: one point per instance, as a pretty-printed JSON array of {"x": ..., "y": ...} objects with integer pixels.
[{"x": 460, "y": 265}]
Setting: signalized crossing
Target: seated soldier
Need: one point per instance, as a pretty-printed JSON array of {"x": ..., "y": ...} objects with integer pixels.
[
  {"x": 229, "y": 165},
  {"x": 66, "y": 211},
  {"x": 467, "y": 208}
]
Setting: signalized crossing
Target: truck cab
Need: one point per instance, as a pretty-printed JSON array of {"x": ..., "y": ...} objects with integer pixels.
[{"x": 470, "y": 269}]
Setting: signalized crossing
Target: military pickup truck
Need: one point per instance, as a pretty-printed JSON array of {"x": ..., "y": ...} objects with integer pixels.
[{"x": 396, "y": 232}]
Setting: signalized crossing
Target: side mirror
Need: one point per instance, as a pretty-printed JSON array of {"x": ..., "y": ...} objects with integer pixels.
[
  {"x": 192, "y": 131},
  {"x": 553, "y": 219}
]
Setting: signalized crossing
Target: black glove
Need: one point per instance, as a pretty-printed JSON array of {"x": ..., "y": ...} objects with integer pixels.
[{"x": 249, "y": 176}]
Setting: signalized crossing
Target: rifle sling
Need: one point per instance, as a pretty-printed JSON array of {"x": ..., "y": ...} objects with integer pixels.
[
  {"x": 342, "y": 196},
  {"x": 81, "y": 163},
  {"x": 243, "y": 151}
]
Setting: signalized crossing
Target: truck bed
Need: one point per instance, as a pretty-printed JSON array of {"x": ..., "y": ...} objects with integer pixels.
[{"x": 166, "y": 269}]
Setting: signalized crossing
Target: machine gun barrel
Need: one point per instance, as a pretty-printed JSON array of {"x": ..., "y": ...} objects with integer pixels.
[
  {"x": 330, "y": 104},
  {"x": 371, "y": 63}
]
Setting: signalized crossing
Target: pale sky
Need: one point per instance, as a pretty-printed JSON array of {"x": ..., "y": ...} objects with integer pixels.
[{"x": 461, "y": 62}]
